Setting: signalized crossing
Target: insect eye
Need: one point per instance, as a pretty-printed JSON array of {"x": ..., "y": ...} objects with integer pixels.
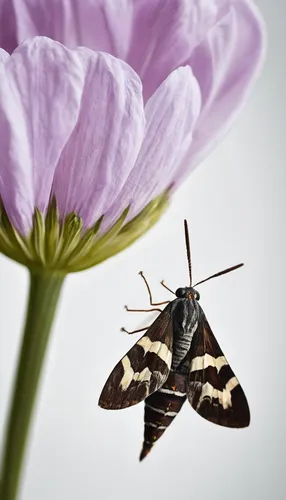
[
  {"x": 197, "y": 296},
  {"x": 181, "y": 292}
]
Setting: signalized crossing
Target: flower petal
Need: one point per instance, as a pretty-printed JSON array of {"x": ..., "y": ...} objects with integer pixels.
[
  {"x": 226, "y": 65},
  {"x": 8, "y": 32},
  {"x": 3, "y": 56},
  {"x": 104, "y": 145},
  {"x": 171, "y": 114},
  {"x": 99, "y": 24},
  {"x": 41, "y": 85},
  {"x": 164, "y": 34}
]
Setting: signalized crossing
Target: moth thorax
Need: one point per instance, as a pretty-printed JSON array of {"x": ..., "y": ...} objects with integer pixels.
[{"x": 185, "y": 323}]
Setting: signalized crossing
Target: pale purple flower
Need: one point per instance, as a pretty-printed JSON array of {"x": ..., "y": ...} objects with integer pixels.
[{"x": 76, "y": 124}]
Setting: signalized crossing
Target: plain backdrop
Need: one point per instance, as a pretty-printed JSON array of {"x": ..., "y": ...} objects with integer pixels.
[{"x": 235, "y": 205}]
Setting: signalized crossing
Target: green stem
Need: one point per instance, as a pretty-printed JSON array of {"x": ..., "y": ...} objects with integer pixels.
[{"x": 43, "y": 298}]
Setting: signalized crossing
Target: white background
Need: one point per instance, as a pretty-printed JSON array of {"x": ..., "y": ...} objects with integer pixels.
[{"x": 235, "y": 205}]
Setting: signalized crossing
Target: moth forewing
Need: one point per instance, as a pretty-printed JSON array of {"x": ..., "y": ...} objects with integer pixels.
[
  {"x": 213, "y": 389},
  {"x": 143, "y": 369}
]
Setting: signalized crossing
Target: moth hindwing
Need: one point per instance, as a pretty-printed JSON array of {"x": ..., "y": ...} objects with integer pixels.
[{"x": 143, "y": 369}]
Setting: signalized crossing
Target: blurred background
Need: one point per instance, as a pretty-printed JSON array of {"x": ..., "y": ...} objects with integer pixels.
[{"x": 235, "y": 205}]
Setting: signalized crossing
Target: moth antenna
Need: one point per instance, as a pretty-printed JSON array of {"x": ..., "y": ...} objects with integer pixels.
[
  {"x": 228, "y": 270},
  {"x": 187, "y": 239}
]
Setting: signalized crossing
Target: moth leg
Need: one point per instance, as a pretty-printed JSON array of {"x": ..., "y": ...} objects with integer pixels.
[
  {"x": 134, "y": 331},
  {"x": 167, "y": 288},
  {"x": 150, "y": 294},
  {"x": 141, "y": 310}
]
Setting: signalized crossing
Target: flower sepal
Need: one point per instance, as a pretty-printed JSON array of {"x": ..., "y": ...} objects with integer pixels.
[{"x": 66, "y": 246}]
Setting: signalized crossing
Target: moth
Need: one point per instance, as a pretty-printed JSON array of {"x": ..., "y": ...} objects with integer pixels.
[{"x": 177, "y": 359}]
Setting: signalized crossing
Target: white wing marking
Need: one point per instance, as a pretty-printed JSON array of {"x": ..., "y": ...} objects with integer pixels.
[
  {"x": 158, "y": 348},
  {"x": 202, "y": 362},
  {"x": 129, "y": 374},
  {"x": 224, "y": 396}
]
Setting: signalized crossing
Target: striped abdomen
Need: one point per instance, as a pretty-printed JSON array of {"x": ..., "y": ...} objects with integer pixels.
[{"x": 161, "y": 408}]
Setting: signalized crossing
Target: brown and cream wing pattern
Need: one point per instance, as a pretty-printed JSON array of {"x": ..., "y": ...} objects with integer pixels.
[
  {"x": 144, "y": 368},
  {"x": 213, "y": 389}
]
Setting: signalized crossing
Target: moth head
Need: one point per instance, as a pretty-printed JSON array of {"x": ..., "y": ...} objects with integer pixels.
[{"x": 187, "y": 292}]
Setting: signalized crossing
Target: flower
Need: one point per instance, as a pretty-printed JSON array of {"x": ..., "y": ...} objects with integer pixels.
[{"x": 85, "y": 147}]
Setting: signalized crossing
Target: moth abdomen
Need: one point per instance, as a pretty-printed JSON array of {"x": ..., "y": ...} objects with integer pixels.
[{"x": 161, "y": 408}]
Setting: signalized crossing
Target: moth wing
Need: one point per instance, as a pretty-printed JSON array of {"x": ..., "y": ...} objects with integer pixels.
[
  {"x": 213, "y": 389},
  {"x": 144, "y": 369}
]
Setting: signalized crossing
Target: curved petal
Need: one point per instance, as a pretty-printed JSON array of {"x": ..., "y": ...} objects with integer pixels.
[
  {"x": 102, "y": 25},
  {"x": 41, "y": 86},
  {"x": 164, "y": 34},
  {"x": 105, "y": 142},
  {"x": 226, "y": 65},
  {"x": 3, "y": 55},
  {"x": 171, "y": 114},
  {"x": 8, "y": 30}
]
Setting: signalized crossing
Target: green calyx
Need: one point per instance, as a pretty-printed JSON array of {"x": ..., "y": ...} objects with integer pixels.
[{"x": 65, "y": 246}]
